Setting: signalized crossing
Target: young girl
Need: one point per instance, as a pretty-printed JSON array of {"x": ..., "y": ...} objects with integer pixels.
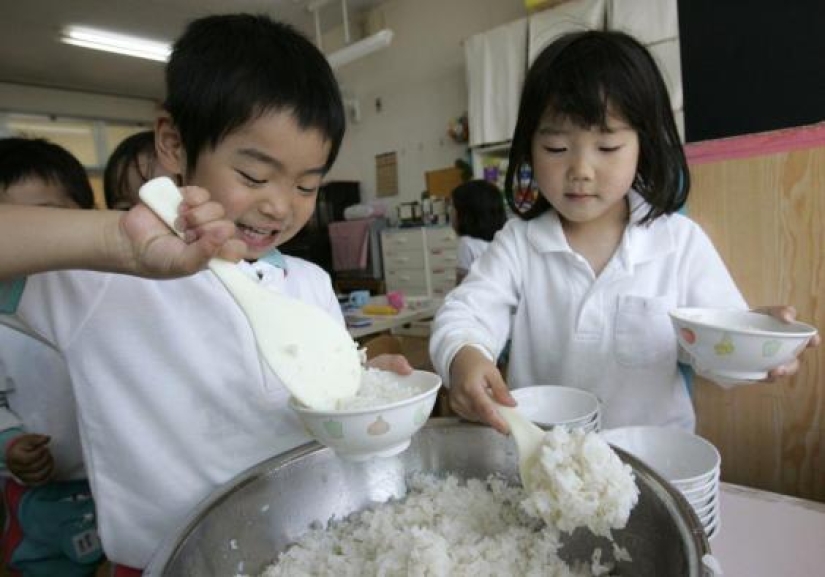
[
  {"x": 132, "y": 163},
  {"x": 584, "y": 279},
  {"x": 477, "y": 214}
]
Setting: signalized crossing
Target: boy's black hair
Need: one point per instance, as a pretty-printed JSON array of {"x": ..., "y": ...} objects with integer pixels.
[
  {"x": 578, "y": 75},
  {"x": 22, "y": 158},
  {"x": 479, "y": 208},
  {"x": 228, "y": 70},
  {"x": 125, "y": 156}
]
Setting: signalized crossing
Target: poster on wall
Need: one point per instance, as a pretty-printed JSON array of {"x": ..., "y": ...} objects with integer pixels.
[{"x": 386, "y": 174}]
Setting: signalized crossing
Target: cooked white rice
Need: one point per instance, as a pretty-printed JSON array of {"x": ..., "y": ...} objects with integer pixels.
[
  {"x": 442, "y": 528},
  {"x": 447, "y": 527},
  {"x": 578, "y": 481},
  {"x": 378, "y": 388}
]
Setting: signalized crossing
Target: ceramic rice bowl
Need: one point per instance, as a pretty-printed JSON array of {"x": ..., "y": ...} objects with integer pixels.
[
  {"x": 361, "y": 434},
  {"x": 732, "y": 346}
]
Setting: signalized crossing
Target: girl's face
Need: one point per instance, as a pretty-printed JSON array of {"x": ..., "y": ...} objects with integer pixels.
[
  {"x": 140, "y": 171},
  {"x": 585, "y": 173},
  {"x": 266, "y": 175}
]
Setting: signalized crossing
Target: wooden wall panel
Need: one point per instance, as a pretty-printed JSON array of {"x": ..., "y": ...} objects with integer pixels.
[{"x": 765, "y": 216}]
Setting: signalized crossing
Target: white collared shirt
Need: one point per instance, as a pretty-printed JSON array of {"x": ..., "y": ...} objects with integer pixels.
[
  {"x": 611, "y": 334},
  {"x": 37, "y": 388},
  {"x": 468, "y": 250},
  {"x": 173, "y": 399}
]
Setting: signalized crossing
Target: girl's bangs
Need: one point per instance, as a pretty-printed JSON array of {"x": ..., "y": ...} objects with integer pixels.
[{"x": 587, "y": 89}]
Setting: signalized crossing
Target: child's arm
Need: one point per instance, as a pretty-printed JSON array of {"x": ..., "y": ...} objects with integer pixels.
[
  {"x": 36, "y": 239},
  {"x": 475, "y": 383},
  {"x": 25, "y": 456},
  {"x": 28, "y": 458},
  {"x": 389, "y": 362}
]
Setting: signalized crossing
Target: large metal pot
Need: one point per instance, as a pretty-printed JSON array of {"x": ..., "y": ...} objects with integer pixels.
[{"x": 243, "y": 526}]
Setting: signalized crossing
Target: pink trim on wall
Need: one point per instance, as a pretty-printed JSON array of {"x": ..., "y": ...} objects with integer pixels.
[{"x": 756, "y": 144}]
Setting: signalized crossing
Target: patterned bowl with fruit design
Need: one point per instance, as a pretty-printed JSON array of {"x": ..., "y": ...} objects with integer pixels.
[
  {"x": 737, "y": 346},
  {"x": 384, "y": 431}
]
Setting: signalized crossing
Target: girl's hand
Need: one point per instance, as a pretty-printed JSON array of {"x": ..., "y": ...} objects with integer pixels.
[
  {"x": 474, "y": 383},
  {"x": 29, "y": 459},
  {"x": 786, "y": 314},
  {"x": 398, "y": 364},
  {"x": 152, "y": 250}
]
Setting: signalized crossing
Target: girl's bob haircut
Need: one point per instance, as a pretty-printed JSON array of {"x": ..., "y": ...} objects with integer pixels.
[{"x": 584, "y": 75}]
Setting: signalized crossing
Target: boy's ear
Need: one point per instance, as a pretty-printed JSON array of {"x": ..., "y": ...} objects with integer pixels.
[{"x": 168, "y": 145}]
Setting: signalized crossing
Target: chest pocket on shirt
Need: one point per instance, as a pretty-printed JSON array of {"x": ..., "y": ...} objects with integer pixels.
[{"x": 644, "y": 333}]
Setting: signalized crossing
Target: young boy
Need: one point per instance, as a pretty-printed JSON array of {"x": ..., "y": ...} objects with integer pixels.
[
  {"x": 173, "y": 399},
  {"x": 51, "y": 519}
]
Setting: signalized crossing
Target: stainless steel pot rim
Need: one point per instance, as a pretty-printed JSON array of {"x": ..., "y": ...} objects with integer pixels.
[{"x": 694, "y": 529}]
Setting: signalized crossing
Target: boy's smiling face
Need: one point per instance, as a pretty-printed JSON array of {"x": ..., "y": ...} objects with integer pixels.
[{"x": 266, "y": 175}]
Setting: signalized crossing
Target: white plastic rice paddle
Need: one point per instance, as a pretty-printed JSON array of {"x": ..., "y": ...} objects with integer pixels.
[
  {"x": 314, "y": 356},
  {"x": 528, "y": 438}
]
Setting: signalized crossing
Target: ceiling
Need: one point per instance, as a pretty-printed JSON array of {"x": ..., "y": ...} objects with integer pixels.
[{"x": 30, "y": 52}]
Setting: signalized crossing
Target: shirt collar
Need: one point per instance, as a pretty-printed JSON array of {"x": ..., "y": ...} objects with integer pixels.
[
  {"x": 275, "y": 258},
  {"x": 640, "y": 243},
  {"x": 645, "y": 242},
  {"x": 271, "y": 263}
]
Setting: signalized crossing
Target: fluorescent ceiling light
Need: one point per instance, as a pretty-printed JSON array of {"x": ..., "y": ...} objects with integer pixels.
[
  {"x": 356, "y": 50},
  {"x": 50, "y": 128},
  {"x": 117, "y": 43}
]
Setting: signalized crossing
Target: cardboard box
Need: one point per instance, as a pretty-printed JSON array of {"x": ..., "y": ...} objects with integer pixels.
[{"x": 442, "y": 182}]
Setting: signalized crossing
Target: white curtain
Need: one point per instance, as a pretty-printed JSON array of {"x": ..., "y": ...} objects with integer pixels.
[{"x": 496, "y": 64}]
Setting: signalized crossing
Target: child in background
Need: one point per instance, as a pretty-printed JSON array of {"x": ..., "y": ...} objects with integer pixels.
[
  {"x": 132, "y": 163},
  {"x": 173, "y": 399},
  {"x": 586, "y": 276},
  {"x": 36, "y": 172},
  {"x": 50, "y": 527},
  {"x": 477, "y": 214}
]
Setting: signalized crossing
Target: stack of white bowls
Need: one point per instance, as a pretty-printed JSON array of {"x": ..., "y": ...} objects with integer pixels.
[
  {"x": 688, "y": 461},
  {"x": 549, "y": 406}
]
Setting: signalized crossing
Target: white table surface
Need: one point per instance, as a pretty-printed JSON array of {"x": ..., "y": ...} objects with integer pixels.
[
  {"x": 414, "y": 310},
  {"x": 765, "y": 534}
]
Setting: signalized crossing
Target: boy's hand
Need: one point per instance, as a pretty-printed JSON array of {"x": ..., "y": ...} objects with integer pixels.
[
  {"x": 786, "y": 314},
  {"x": 28, "y": 457},
  {"x": 155, "y": 251},
  {"x": 474, "y": 383},
  {"x": 398, "y": 364}
]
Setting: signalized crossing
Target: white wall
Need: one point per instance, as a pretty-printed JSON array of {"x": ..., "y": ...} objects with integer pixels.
[{"x": 421, "y": 82}]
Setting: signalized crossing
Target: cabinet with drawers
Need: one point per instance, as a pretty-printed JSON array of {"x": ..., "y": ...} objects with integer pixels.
[{"x": 419, "y": 261}]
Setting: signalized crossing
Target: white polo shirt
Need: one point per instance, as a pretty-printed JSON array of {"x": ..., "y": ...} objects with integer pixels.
[
  {"x": 36, "y": 384},
  {"x": 468, "y": 250},
  {"x": 610, "y": 334},
  {"x": 173, "y": 399}
]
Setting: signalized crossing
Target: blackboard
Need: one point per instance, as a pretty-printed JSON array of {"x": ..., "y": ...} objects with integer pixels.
[{"x": 751, "y": 65}]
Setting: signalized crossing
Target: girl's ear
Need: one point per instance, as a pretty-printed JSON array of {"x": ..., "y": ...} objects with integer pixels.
[{"x": 169, "y": 147}]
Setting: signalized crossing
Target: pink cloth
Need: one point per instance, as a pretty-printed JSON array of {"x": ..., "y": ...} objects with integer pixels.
[{"x": 350, "y": 244}]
